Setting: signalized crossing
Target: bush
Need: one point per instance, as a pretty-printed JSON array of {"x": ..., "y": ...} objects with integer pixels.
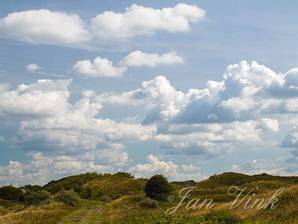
[
  {"x": 158, "y": 188},
  {"x": 68, "y": 197},
  {"x": 149, "y": 203},
  {"x": 83, "y": 192},
  {"x": 36, "y": 197},
  {"x": 11, "y": 193}
]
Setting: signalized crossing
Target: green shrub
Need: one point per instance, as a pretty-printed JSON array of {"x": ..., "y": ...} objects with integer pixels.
[
  {"x": 158, "y": 188},
  {"x": 68, "y": 197},
  {"x": 83, "y": 192},
  {"x": 149, "y": 203},
  {"x": 11, "y": 193},
  {"x": 36, "y": 197}
]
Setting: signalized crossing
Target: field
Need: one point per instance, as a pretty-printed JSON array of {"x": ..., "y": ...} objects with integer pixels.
[{"x": 120, "y": 199}]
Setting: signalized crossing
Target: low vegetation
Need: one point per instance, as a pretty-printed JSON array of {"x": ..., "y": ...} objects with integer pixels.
[{"x": 122, "y": 199}]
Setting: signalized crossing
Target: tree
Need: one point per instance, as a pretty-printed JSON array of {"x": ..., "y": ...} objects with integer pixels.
[{"x": 158, "y": 188}]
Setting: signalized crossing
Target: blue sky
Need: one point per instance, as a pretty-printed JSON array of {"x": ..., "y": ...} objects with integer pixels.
[{"x": 137, "y": 96}]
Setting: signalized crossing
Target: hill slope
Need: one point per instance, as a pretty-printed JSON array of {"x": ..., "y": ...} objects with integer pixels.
[{"x": 119, "y": 198}]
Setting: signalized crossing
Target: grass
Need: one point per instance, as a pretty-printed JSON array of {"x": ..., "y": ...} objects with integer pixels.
[{"x": 49, "y": 214}]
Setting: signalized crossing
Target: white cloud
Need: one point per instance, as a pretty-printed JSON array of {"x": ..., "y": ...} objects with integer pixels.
[
  {"x": 270, "y": 124},
  {"x": 37, "y": 70},
  {"x": 77, "y": 132},
  {"x": 100, "y": 67},
  {"x": 43, "y": 168},
  {"x": 138, "y": 20},
  {"x": 246, "y": 92},
  {"x": 44, "y": 26},
  {"x": 248, "y": 107},
  {"x": 208, "y": 139},
  {"x": 166, "y": 168},
  {"x": 259, "y": 166},
  {"x": 41, "y": 98},
  {"x": 47, "y": 117},
  {"x": 32, "y": 67},
  {"x": 139, "y": 58},
  {"x": 103, "y": 67}
]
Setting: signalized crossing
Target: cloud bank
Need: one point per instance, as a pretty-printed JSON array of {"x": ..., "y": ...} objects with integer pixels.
[
  {"x": 44, "y": 26},
  {"x": 103, "y": 67},
  {"x": 246, "y": 108}
]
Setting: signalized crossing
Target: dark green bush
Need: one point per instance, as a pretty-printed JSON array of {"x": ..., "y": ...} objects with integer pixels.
[
  {"x": 68, "y": 197},
  {"x": 36, "y": 197},
  {"x": 11, "y": 193},
  {"x": 158, "y": 188}
]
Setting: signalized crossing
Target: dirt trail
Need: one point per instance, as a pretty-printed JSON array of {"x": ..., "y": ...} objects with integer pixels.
[{"x": 88, "y": 214}]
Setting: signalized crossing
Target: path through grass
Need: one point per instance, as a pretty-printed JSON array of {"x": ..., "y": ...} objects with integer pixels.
[{"x": 89, "y": 213}]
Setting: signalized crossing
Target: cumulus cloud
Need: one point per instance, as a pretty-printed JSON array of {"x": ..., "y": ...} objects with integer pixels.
[
  {"x": 208, "y": 139},
  {"x": 103, "y": 67},
  {"x": 32, "y": 67},
  {"x": 270, "y": 124},
  {"x": 99, "y": 67},
  {"x": 139, "y": 58},
  {"x": 237, "y": 109},
  {"x": 138, "y": 20},
  {"x": 166, "y": 168},
  {"x": 48, "y": 116},
  {"x": 48, "y": 121},
  {"x": 41, "y": 98},
  {"x": 44, "y": 26},
  {"x": 248, "y": 107},
  {"x": 245, "y": 92}
]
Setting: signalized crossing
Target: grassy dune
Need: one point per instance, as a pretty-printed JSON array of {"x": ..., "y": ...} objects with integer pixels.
[{"x": 120, "y": 199}]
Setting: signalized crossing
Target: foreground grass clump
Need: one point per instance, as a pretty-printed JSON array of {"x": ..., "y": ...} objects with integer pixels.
[
  {"x": 45, "y": 214},
  {"x": 220, "y": 217},
  {"x": 287, "y": 210},
  {"x": 149, "y": 203}
]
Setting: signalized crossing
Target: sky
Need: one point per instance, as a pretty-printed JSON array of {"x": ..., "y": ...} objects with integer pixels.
[{"x": 185, "y": 89}]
